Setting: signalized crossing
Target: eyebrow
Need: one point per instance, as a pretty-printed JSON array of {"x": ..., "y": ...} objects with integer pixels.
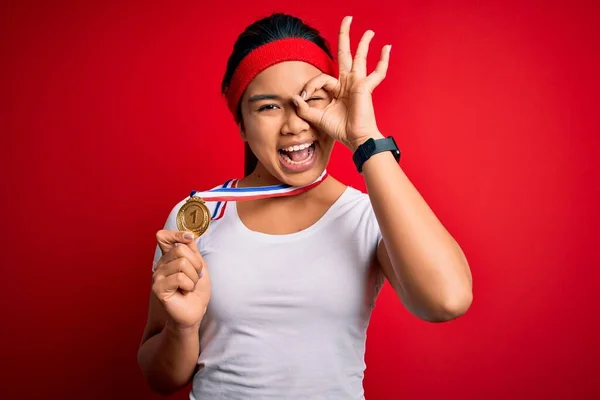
[{"x": 259, "y": 97}]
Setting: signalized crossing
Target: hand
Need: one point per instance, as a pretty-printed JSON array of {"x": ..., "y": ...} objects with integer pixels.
[
  {"x": 181, "y": 281},
  {"x": 349, "y": 117}
]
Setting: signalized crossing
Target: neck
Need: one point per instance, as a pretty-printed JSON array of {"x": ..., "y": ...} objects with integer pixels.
[{"x": 259, "y": 177}]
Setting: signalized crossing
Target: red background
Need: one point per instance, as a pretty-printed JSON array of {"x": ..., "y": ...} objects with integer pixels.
[{"x": 111, "y": 113}]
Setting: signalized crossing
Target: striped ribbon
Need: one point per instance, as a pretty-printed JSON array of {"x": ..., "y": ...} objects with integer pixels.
[{"x": 230, "y": 192}]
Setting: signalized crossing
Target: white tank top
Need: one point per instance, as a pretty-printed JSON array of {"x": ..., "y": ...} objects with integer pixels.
[{"x": 288, "y": 313}]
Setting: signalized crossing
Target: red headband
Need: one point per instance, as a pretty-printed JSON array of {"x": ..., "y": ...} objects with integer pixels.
[{"x": 259, "y": 59}]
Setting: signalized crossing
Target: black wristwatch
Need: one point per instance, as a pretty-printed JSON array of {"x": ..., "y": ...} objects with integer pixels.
[{"x": 372, "y": 147}]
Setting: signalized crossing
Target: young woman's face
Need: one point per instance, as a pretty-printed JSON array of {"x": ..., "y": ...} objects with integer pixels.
[{"x": 290, "y": 149}]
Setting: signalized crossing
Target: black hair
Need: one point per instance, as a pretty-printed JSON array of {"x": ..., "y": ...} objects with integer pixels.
[{"x": 274, "y": 27}]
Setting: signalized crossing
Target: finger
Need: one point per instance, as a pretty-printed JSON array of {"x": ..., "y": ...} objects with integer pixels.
[
  {"x": 344, "y": 54},
  {"x": 180, "y": 265},
  {"x": 167, "y": 239},
  {"x": 310, "y": 114},
  {"x": 173, "y": 283},
  {"x": 184, "y": 252},
  {"x": 378, "y": 75},
  {"x": 322, "y": 81},
  {"x": 359, "y": 66}
]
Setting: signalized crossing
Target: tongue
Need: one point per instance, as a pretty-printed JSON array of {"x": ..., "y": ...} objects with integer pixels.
[{"x": 299, "y": 155}]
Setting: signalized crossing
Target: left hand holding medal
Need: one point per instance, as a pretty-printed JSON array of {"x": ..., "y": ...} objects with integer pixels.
[{"x": 349, "y": 118}]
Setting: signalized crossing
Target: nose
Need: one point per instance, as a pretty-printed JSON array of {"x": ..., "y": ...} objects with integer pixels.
[{"x": 293, "y": 124}]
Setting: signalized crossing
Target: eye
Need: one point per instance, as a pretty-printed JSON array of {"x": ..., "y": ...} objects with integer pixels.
[
  {"x": 267, "y": 107},
  {"x": 315, "y": 99}
]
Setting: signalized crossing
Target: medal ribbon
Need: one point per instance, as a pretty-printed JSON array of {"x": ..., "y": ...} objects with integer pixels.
[{"x": 255, "y": 193}]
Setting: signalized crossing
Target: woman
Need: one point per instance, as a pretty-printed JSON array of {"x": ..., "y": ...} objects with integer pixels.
[{"x": 293, "y": 278}]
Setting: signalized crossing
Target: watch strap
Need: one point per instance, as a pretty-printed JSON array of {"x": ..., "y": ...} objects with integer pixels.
[{"x": 374, "y": 146}]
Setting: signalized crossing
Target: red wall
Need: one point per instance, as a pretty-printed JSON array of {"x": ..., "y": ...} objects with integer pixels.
[{"x": 111, "y": 113}]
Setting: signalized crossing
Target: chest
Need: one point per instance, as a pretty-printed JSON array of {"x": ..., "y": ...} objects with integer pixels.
[
  {"x": 308, "y": 279},
  {"x": 281, "y": 216}
]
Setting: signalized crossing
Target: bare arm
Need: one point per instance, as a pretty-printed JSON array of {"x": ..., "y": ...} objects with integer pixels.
[
  {"x": 421, "y": 260},
  {"x": 168, "y": 354},
  {"x": 179, "y": 298}
]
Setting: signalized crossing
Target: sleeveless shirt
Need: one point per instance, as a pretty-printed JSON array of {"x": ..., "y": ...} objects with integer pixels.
[{"x": 288, "y": 314}]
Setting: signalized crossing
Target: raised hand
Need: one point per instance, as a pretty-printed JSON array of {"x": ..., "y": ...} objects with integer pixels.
[{"x": 349, "y": 117}]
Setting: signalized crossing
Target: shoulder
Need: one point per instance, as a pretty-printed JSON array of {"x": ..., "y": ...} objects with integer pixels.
[
  {"x": 354, "y": 208},
  {"x": 361, "y": 210},
  {"x": 353, "y": 219},
  {"x": 356, "y": 201}
]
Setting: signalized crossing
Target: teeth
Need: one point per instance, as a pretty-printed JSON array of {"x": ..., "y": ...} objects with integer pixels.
[
  {"x": 297, "y": 147},
  {"x": 288, "y": 160}
]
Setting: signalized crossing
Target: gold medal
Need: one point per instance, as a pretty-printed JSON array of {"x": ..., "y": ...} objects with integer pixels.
[{"x": 193, "y": 216}]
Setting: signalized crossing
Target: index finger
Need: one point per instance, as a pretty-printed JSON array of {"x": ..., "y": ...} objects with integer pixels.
[
  {"x": 322, "y": 81},
  {"x": 167, "y": 239},
  {"x": 344, "y": 54},
  {"x": 194, "y": 258}
]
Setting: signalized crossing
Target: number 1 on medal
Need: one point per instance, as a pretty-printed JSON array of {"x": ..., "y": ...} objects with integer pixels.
[{"x": 193, "y": 216}]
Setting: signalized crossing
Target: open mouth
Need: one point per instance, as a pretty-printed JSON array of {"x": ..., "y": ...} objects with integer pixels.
[{"x": 298, "y": 155}]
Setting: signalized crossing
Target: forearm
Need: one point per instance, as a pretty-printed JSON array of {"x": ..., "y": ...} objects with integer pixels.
[
  {"x": 432, "y": 271},
  {"x": 168, "y": 359}
]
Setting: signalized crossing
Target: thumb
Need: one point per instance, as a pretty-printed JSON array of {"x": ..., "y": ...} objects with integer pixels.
[
  {"x": 310, "y": 114},
  {"x": 167, "y": 239}
]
